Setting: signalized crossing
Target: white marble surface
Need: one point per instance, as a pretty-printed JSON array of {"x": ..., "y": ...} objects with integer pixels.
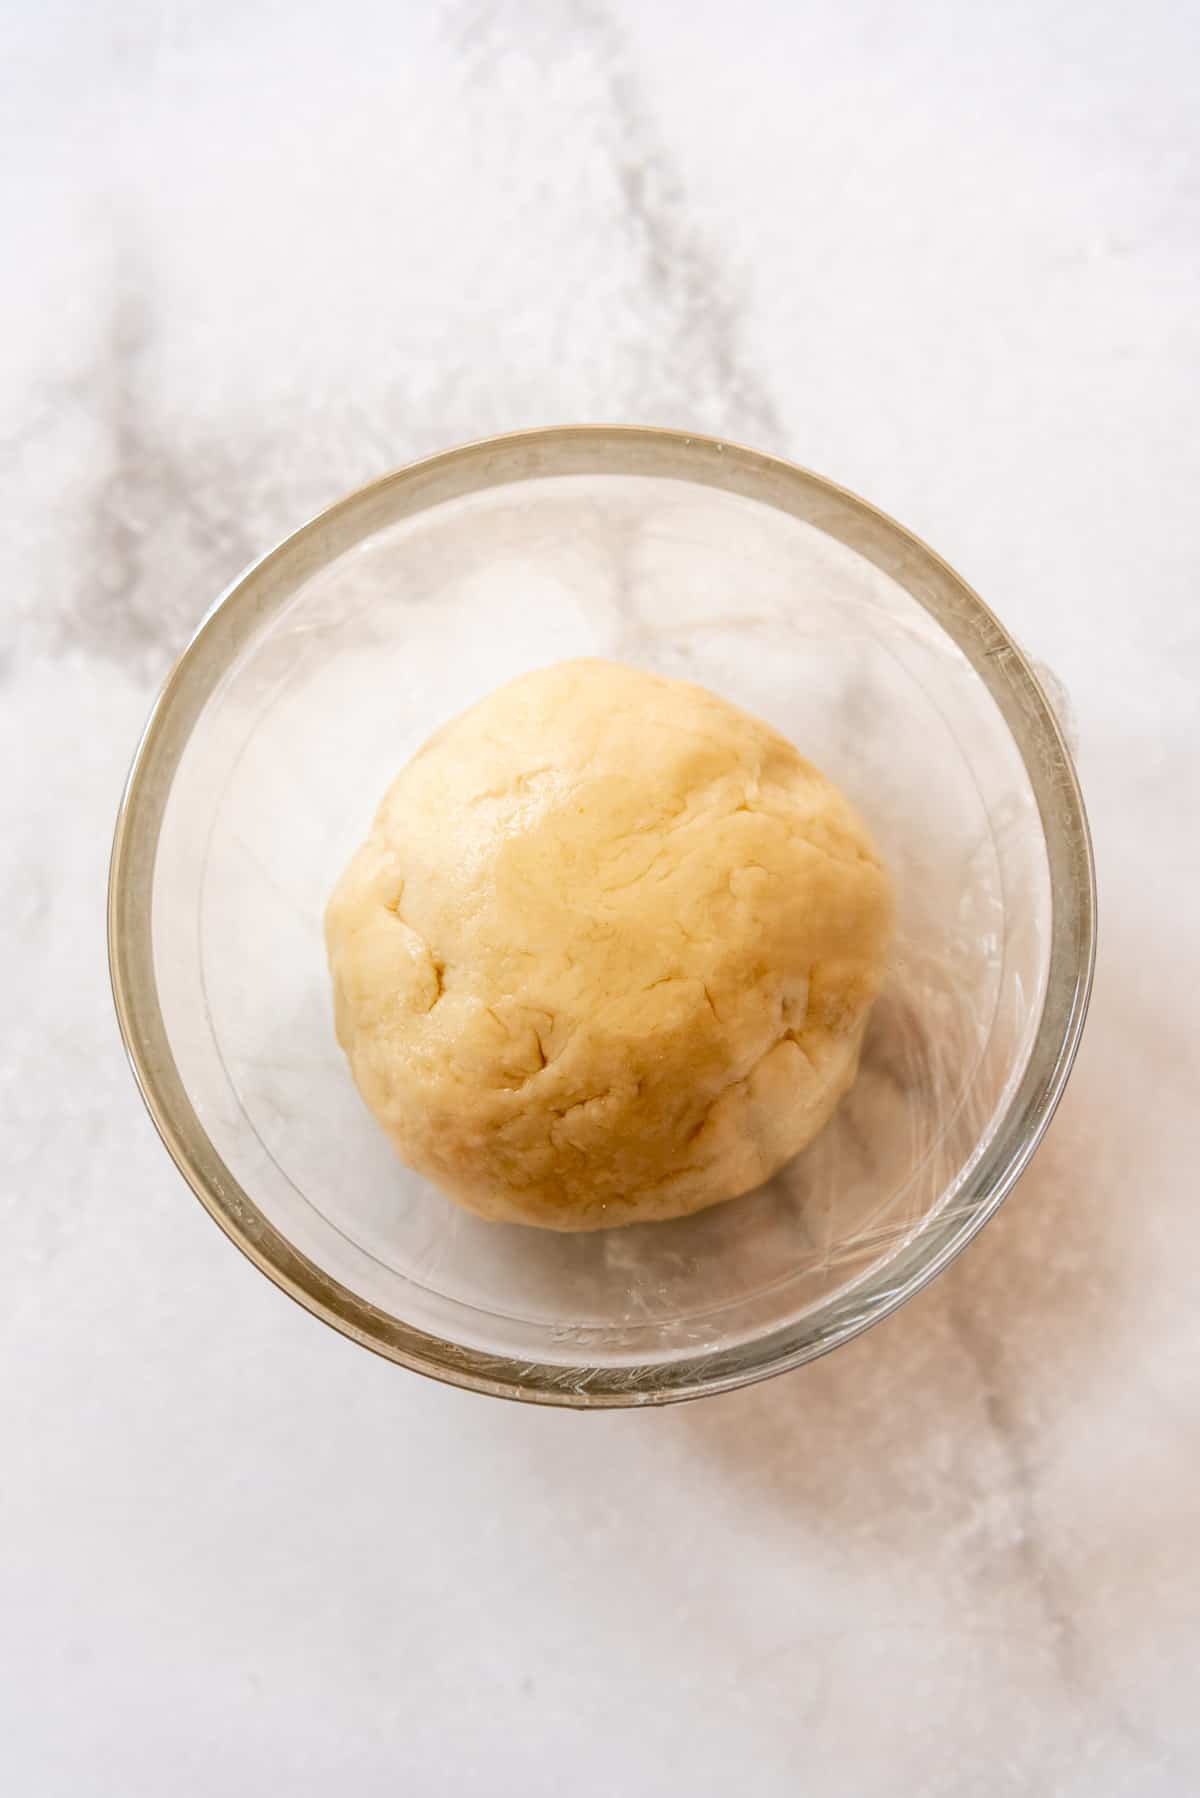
[{"x": 257, "y": 252}]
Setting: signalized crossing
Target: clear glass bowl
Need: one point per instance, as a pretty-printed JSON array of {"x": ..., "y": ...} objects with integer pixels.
[{"x": 318, "y": 673}]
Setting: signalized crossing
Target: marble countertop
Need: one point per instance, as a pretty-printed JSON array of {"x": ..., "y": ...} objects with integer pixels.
[{"x": 258, "y": 253}]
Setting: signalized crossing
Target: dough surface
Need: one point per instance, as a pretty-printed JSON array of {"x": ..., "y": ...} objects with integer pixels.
[{"x": 608, "y": 951}]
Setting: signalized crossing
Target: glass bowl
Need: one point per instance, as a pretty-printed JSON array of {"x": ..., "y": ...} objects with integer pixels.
[{"x": 320, "y": 671}]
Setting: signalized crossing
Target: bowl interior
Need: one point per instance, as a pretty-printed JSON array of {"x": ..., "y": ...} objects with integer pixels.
[{"x": 328, "y": 668}]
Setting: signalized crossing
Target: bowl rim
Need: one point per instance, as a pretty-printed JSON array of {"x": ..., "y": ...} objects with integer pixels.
[{"x": 269, "y": 581}]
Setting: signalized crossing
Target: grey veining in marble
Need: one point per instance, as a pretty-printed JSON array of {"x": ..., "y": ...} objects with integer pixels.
[{"x": 258, "y": 254}]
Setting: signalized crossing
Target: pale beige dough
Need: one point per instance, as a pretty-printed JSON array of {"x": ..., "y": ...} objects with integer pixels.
[{"x": 608, "y": 951}]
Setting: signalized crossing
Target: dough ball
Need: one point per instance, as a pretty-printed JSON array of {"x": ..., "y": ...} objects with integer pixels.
[{"x": 608, "y": 951}]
